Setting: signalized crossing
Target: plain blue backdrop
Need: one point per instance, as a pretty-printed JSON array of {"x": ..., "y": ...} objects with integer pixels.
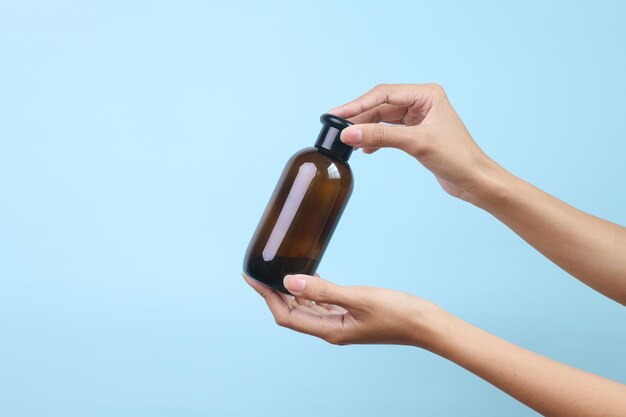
[{"x": 141, "y": 140}]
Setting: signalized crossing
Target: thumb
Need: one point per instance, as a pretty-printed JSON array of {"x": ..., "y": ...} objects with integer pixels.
[
  {"x": 375, "y": 135},
  {"x": 317, "y": 289}
]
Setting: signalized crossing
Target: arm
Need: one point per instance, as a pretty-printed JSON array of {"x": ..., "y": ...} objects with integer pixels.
[
  {"x": 549, "y": 387},
  {"x": 591, "y": 249},
  {"x": 346, "y": 315}
]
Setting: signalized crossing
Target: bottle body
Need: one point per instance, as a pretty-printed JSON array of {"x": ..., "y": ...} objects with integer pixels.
[{"x": 300, "y": 218}]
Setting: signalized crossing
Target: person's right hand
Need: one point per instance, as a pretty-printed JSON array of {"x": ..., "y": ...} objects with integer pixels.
[{"x": 428, "y": 128}]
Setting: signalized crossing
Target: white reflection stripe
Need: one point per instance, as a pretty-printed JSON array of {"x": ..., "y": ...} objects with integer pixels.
[{"x": 290, "y": 208}]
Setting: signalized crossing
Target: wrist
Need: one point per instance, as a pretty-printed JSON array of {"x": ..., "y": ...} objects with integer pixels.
[
  {"x": 491, "y": 186},
  {"x": 430, "y": 329},
  {"x": 445, "y": 335}
]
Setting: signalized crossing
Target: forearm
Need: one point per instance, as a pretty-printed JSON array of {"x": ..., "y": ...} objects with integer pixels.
[
  {"x": 591, "y": 249},
  {"x": 547, "y": 386}
]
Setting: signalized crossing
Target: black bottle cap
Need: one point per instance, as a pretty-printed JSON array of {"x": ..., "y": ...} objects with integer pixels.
[{"x": 329, "y": 136}]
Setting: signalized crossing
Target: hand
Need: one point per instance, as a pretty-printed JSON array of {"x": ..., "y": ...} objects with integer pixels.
[
  {"x": 376, "y": 315},
  {"x": 432, "y": 132},
  {"x": 349, "y": 315}
]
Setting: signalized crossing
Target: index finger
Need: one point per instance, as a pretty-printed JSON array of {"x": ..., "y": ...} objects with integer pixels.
[{"x": 404, "y": 95}]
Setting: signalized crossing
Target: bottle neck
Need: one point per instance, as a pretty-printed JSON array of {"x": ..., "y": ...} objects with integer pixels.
[{"x": 332, "y": 155}]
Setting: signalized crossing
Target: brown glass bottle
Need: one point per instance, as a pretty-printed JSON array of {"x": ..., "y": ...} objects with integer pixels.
[{"x": 304, "y": 209}]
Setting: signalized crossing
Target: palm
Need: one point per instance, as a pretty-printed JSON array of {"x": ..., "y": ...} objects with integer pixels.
[
  {"x": 306, "y": 310},
  {"x": 304, "y": 315}
]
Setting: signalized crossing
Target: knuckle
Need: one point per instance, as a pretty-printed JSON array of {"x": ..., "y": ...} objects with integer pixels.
[
  {"x": 381, "y": 99},
  {"x": 380, "y": 94},
  {"x": 379, "y": 136},
  {"x": 357, "y": 291},
  {"x": 362, "y": 291},
  {"x": 377, "y": 116},
  {"x": 421, "y": 152},
  {"x": 419, "y": 145},
  {"x": 280, "y": 320},
  {"x": 437, "y": 88},
  {"x": 336, "y": 338},
  {"x": 363, "y": 297},
  {"x": 380, "y": 86},
  {"x": 426, "y": 147},
  {"x": 324, "y": 292}
]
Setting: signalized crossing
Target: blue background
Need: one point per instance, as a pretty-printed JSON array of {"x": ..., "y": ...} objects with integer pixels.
[{"x": 139, "y": 144}]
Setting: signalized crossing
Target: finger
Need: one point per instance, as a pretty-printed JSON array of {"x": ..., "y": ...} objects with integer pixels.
[
  {"x": 324, "y": 305},
  {"x": 330, "y": 307},
  {"x": 318, "y": 309},
  {"x": 314, "y": 324},
  {"x": 288, "y": 298},
  {"x": 303, "y": 301},
  {"x": 298, "y": 319},
  {"x": 317, "y": 289},
  {"x": 405, "y": 95},
  {"x": 309, "y": 305},
  {"x": 383, "y": 113},
  {"x": 370, "y": 151},
  {"x": 262, "y": 289},
  {"x": 275, "y": 302},
  {"x": 312, "y": 309},
  {"x": 337, "y": 309},
  {"x": 374, "y": 135}
]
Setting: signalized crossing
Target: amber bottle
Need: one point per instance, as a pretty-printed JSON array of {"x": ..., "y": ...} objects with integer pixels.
[{"x": 304, "y": 209}]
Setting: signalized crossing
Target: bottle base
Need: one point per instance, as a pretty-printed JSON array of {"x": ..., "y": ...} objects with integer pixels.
[{"x": 271, "y": 273}]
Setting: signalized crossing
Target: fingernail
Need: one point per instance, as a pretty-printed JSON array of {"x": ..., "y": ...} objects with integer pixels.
[
  {"x": 352, "y": 136},
  {"x": 294, "y": 284}
]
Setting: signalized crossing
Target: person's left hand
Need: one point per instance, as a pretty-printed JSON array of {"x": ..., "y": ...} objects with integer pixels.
[{"x": 344, "y": 315}]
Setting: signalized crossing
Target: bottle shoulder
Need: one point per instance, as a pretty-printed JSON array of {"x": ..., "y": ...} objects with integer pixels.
[
  {"x": 326, "y": 166},
  {"x": 305, "y": 154}
]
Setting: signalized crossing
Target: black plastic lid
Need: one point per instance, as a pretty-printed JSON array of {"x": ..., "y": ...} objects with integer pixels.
[{"x": 329, "y": 136}]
